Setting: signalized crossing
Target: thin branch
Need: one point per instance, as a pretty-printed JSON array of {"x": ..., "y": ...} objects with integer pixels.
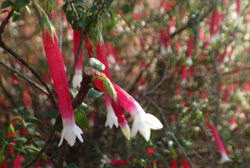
[
  {"x": 20, "y": 59},
  {"x": 85, "y": 86},
  {"x": 33, "y": 83},
  {"x": 189, "y": 23},
  {"x": 7, "y": 94},
  {"x": 5, "y": 22},
  {"x": 76, "y": 59}
]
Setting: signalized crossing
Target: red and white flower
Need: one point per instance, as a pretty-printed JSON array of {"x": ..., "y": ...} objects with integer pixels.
[
  {"x": 56, "y": 65},
  {"x": 78, "y": 71}
]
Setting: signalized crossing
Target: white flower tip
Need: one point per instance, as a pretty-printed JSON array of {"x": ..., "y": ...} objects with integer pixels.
[
  {"x": 153, "y": 122},
  {"x": 126, "y": 131},
  {"x": 143, "y": 123},
  {"x": 77, "y": 80},
  {"x": 111, "y": 117},
  {"x": 189, "y": 61},
  {"x": 224, "y": 158},
  {"x": 163, "y": 50},
  {"x": 69, "y": 133},
  {"x": 215, "y": 38}
]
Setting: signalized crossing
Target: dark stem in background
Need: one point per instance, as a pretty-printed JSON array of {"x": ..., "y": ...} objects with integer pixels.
[
  {"x": 20, "y": 59},
  {"x": 33, "y": 83}
]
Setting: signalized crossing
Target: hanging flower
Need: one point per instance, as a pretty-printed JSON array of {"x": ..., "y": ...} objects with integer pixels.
[
  {"x": 3, "y": 164},
  {"x": 27, "y": 98},
  {"x": 56, "y": 65},
  {"x": 78, "y": 71},
  {"x": 174, "y": 163},
  {"x": 238, "y": 6},
  {"x": 118, "y": 162},
  {"x": 185, "y": 164},
  {"x": 190, "y": 50},
  {"x": 150, "y": 151},
  {"x": 115, "y": 114},
  {"x": 219, "y": 144},
  {"x": 111, "y": 117},
  {"x": 215, "y": 24},
  {"x": 143, "y": 122},
  {"x": 88, "y": 46},
  {"x": 163, "y": 50},
  {"x": 18, "y": 161},
  {"x": 183, "y": 74},
  {"x": 168, "y": 40},
  {"x": 11, "y": 133}
]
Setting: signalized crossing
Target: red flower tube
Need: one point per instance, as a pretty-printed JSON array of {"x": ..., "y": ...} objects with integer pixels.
[
  {"x": 56, "y": 65},
  {"x": 88, "y": 46},
  {"x": 118, "y": 162},
  {"x": 238, "y": 7},
  {"x": 190, "y": 50},
  {"x": 185, "y": 164},
  {"x": 174, "y": 163},
  {"x": 115, "y": 114},
  {"x": 78, "y": 71},
  {"x": 3, "y": 164},
  {"x": 183, "y": 74},
  {"x": 219, "y": 144},
  {"x": 18, "y": 161}
]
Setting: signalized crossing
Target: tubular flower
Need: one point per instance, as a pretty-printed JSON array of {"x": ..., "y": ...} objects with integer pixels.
[
  {"x": 219, "y": 144},
  {"x": 183, "y": 74},
  {"x": 88, "y": 46},
  {"x": 115, "y": 114},
  {"x": 78, "y": 71},
  {"x": 3, "y": 164},
  {"x": 238, "y": 6},
  {"x": 143, "y": 122},
  {"x": 27, "y": 98},
  {"x": 118, "y": 162},
  {"x": 190, "y": 50},
  {"x": 18, "y": 161},
  {"x": 215, "y": 26},
  {"x": 174, "y": 163},
  {"x": 111, "y": 117},
  {"x": 168, "y": 40},
  {"x": 56, "y": 65},
  {"x": 11, "y": 133},
  {"x": 185, "y": 164},
  {"x": 162, "y": 41}
]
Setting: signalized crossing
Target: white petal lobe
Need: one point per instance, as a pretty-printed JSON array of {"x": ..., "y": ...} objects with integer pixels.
[
  {"x": 111, "y": 117},
  {"x": 153, "y": 122},
  {"x": 77, "y": 80},
  {"x": 69, "y": 133}
]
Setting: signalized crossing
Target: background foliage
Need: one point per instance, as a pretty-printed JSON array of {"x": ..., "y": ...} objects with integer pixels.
[{"x": 214, "y": 88}]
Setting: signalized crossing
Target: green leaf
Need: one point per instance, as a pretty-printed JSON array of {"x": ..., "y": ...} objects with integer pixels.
[
  {"x": 109, "y": 88},
  {"x": 108, "y": 3},
  {"x": 6, "y": 4},
  {"x": 71, "y": 165},
  {"x": 21, "y": 3},
  {"x": 16, "y": 16},
  {"x": 20, "y": 139},
  {"x": 81, "y": 118},
  {"x": 94, "y": 94},
  {"x": 2, "y": 155}
]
